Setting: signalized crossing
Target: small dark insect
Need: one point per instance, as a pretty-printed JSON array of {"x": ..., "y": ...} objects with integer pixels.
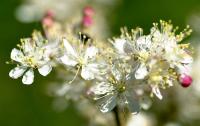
[{"x": 85, "y": 38}]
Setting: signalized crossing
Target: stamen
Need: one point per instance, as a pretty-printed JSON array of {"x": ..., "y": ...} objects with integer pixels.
[{"x": 74, "y": 76}]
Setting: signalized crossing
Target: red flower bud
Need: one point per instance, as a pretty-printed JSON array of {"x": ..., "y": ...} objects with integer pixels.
[
  {"x": 49, "y": 13},
  {"x": 88, "y": 11},
  {"x": 47, "y": 21},
  {"x": 87, "y": 21},
  {"x": 185, "y": 80}
]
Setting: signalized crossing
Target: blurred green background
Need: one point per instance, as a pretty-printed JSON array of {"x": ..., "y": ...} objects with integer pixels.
[{"x": 22, "y": 105}]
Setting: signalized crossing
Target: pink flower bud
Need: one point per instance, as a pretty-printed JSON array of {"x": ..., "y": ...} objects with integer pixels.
[
  {"x": 47, "y": 21},
  {"x": 185, "y": 80},
  {"x": 49, "y": 13},
  {"x": 88, "y": 11},
  {"x": 87, "y": 21}
]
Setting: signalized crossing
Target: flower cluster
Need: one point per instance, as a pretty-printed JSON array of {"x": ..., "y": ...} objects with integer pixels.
[
  {"x": 124, "y": 72},
  {"x": 140, "y": 62}
]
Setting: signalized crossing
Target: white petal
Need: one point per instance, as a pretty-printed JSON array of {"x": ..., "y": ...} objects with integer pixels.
[
  {"x": 141, "y": 72},
  {"x": 128, "y": 48},
  {"x": 17, "y": 72},
  {"x": 28, "y": 45},
  {"x": 28, "y": 77},
  {"x": 94, "y": 68},
  {"x": 116, "y": 73},
  {"x": 182, "y": 68},
  {"x": 107, "y": 103},
  {"x": 90, "y": 52},
  {"x": 45, "y": 70},
  {"x": 119, "y": 45},
  {"x": 186, "y": 58},
  {"x": 68, "y": 61},
  {"x": 16, "y": 55},
  {"x": 87, "y": 74},
  {"x": 70, "y": 50},
  {"x": 102, "y": 88},
  {"x": 156, "y": 91},
  {"x": 143, "y": 42},
  {"x": 132, "y": 103}
]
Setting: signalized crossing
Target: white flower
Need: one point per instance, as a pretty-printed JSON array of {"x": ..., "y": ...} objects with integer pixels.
[
  {"x": 84, "y": 58},
  {"x": 115, "y": 91},
  {"x": 29, "y": 57}
]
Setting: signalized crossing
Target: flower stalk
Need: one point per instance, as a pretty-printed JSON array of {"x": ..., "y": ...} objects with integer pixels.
[{"x": 117, "y": 116}]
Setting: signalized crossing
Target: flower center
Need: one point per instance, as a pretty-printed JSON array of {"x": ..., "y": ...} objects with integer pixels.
[
  {"x": 121, "y": 88},
  {"x": 30, "y": 61},
  {"x": 81, "y": 61}
]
